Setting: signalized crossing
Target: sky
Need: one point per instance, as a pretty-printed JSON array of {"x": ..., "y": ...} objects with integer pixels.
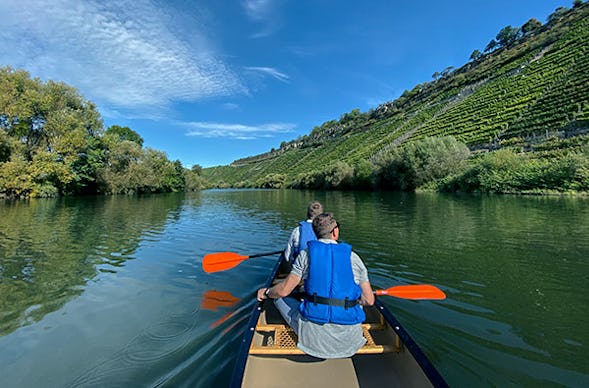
[{"x": 211, "y": 81}]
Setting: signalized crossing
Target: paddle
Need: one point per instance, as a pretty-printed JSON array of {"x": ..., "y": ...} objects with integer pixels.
[
  {"x": 221, "y": 261},
  {"x": 413, "y": 291}
]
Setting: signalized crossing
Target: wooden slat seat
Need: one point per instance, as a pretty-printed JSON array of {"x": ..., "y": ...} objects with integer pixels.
[{"x": 281, "y": 339}]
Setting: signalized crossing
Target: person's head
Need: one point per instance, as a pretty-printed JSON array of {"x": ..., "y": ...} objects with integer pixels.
[
  {"x": 314, "y": 209},
  {"x": 325, "y": 226}
]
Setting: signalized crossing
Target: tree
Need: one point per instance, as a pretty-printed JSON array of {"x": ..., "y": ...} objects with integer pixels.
[
  {"x": 531, "y": 26},
  {"x": 557, "y": 14},
  {"x": 125, "y": 133},
  {"x": 507, "y": 36},
  {"x": 491, "y": 45},
  {"x": 51, "y": 128},
  {"x": 421, "y": 162},
  {"x": 476, "y": 54},
  {"x": 447, "y": 71},
  {"x": 5, "y": 146},
  {"x": 52, "y": 142}
]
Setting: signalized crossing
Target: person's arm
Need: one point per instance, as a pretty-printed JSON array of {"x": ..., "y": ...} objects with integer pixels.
[
  {"x": 292, "y": 243},
  {"x": 361, "y": 278},
  {"x": 281, "y": 289},
  {"x": 367, "y": 298}
]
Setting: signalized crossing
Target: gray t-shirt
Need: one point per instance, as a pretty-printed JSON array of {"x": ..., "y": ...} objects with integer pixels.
[
  {"x": 329, "y": 340},
  {"x": 293, "y": 243}
]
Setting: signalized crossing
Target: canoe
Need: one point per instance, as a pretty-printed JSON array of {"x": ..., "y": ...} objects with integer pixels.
[{"x": 268, "y": 355}]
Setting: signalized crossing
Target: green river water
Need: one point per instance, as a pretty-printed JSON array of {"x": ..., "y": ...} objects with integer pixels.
[{"x": 109, "y": 291}]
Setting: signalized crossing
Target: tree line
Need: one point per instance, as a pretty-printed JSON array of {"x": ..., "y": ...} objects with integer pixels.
[
  {"x": 447, "y": 165},
  {"x": 53, "y": 142}
]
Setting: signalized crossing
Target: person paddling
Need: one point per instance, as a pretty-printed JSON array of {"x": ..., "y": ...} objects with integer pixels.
[
  {"x": 300, "y": 236},
  {"x": 328, "y": 320}
]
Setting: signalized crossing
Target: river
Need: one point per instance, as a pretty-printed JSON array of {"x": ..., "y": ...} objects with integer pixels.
[{"x": 109, "y": 291}]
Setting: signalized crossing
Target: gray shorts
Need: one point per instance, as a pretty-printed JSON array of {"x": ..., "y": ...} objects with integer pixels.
[{"x": 289, "y": 309}]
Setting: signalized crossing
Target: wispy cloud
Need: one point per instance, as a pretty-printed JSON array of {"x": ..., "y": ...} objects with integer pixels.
[
  {"x": 124, "y": 54},
  {"x": 236, "y": 131},
  {"x": 270, "y": 71},
  {"x": 263, "y": 12},
  {"x": 230, "y": 106},
  {"x": 257, "y": 10}
]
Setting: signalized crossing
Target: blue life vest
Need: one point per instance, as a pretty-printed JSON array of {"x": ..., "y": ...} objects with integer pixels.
[
  {"x": 331, "y": 293},
  {"x": 306, "y": 234}
]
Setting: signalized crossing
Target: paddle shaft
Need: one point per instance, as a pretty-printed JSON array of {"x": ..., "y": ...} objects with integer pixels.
[{"x": 264, "y": 254}]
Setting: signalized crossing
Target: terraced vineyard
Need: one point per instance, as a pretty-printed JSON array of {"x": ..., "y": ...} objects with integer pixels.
[{"x": 533, "y": 95}]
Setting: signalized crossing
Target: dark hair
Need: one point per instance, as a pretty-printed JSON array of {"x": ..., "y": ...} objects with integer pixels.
[{"x": 324, "y": 224}]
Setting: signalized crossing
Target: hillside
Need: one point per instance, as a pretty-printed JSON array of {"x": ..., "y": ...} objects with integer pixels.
[{"x": 529, "y": 94}]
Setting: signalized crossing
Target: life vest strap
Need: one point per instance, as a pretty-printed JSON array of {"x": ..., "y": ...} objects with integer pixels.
[{"x": 345, "y": 303}]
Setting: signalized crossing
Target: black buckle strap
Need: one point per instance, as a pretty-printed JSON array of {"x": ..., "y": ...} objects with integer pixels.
[{"x": 345, "y": 303}]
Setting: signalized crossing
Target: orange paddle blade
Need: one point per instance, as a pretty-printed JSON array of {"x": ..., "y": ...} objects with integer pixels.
[
  {"x": 221, "y": 261},
  {"x": 414, "y": 291},
  {"x": 213, "y": 299}
]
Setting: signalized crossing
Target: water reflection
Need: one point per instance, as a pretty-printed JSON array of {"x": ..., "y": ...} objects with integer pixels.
[
  {"x": 50, "y": 248},
  {"x": 514, "y": 270},
  {"x": 214, "y": 299}
]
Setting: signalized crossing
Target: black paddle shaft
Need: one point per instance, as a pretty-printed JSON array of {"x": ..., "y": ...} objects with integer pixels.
[{"x": 265, "y": 254}]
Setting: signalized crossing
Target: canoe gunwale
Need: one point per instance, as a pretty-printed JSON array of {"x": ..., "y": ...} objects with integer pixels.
[
  {"x": 246, "y": 341},
  {"x": 428, "y": 368}
]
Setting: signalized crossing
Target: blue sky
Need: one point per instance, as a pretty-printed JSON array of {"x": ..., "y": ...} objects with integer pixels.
[{"x": 208, "y": 82}]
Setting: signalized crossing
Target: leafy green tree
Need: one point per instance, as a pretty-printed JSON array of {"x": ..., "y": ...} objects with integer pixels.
[
  {"x": 272, "y": 181},
  {"x": 197, "y": 169},
  {"x": 193, "y": 181},
  {"x": 421, "y": 162},
  {"x": 447, "y": 71},
  {"x": 491, "y": 45},
  {"x": 476, "y": 54},
  {"x": 364, "y": 172},
  {"x": 338, "y": 176},
  {"x": 531, "y": 26},
  {"x": 125, "y": 133},
  {"x": 46, "y": 123},
  {"x": 5, "y": 146},
  {"x": 52, "y": 142},
  {"x": 557, "y": 14},
  {"x": 507, "y": 36},
  {"x": 162, "y": 175}
]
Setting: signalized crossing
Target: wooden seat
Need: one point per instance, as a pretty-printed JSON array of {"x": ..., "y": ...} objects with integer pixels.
[{"x": 281, "y": 339}]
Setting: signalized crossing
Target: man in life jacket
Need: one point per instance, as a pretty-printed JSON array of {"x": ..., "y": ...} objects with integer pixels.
[
  {"x": 328, "y": 320},
  {"x": 301, "y": 235}
]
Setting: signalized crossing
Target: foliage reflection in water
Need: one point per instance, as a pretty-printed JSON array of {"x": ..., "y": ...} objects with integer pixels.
[{"x": 76, "y": 310}]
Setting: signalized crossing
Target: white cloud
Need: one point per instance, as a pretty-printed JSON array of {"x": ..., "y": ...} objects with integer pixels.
[
  {"x": 230, "y": 106},
  {"x": 257, "y": 9},
  {"x": 265, "y": 13},
  {"x": 236, "y": 131},
  {"x": 122, "y": 54},
  {"x": 272, "y": 72}
]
